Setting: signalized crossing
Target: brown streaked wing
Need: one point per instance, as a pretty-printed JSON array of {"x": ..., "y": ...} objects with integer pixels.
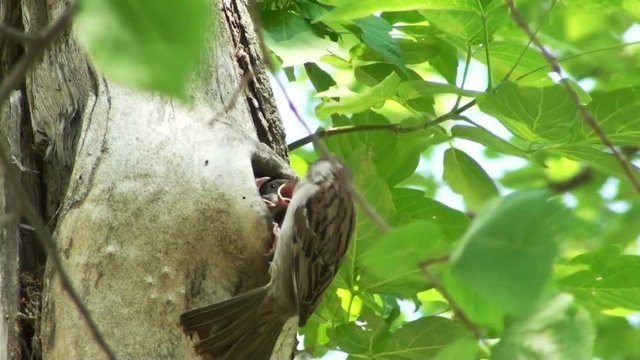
[{"x": 323, "y": 229}]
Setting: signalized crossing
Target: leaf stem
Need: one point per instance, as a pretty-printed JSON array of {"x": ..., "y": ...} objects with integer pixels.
[{"x": 486, "y": 44}]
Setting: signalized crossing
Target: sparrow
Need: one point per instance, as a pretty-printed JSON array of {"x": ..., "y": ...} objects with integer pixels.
[
  {"x": 276, "y": 193},
  {"x": 313, "y": 239}
]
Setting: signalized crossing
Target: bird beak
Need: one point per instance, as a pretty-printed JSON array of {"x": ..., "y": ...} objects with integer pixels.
[
  {"x": 285, "y": 192},
  {"x": 261, "y": 180}
]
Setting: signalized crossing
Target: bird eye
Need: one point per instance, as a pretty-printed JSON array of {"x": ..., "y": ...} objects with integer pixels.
[{"x": 273, "y": 186}]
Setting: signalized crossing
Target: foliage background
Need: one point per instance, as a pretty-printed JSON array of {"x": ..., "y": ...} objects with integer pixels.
[
  {"x": 546, "y": 272},
  {"x": 539, "y": 261}
]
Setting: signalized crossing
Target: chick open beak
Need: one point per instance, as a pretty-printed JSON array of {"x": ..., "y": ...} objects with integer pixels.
[{"x": 285, "y": 192}]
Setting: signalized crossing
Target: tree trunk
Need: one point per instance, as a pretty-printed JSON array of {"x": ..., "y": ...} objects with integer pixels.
[{"x": 152, "y": 204}]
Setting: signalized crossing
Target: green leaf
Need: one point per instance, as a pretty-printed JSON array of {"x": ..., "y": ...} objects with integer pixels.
[
  {"x": 467, "y": 178},
  {"x": 559, "y": 329},
  {"x": 373, "y": 74},
  {"x": 425, "y": 48},
  {"x": 468, "y": 20},
  {"x": 359, "y": 339},
  {"x": 421, "y": 339},
  {"x": 416, "y": 88},
  {"x": 464, "y": 349},
  {"x": 396, "y": 256},
  {"x": 375, "y": 33},
  {"x": 506, "y": 256},
  {"x": 348, "y": 10},
  {"x": 318, "y": 77},
  {"x": 595, "y": 157},
  {"x": 406, "y": 17},
  {"x": 488, "y": 139},
  {"x": 476, "y": 308},
  {"x": 412, "y": 205},
  {"x": 293, "y": 39},
  {"x": 396, "y": 156},
  {"x": 531, "y": 68},
  {"x": 612, "y": 280},
  {"x": 155, "y": 48},
  {"x": 533, "y": 113},
  {"x": 528, "y": 177},
  {"x": 372, "y": 97},
  {"x": 617, "y": 339},
  {"x": 618, "y": 114}
]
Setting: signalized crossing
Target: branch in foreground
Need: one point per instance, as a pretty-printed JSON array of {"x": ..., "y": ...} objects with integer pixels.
[
  {"x": 396, "y": 128},
  {"x": 37, "y": 43},
  {"x": 628, "y": 169},
  {"x": 17, "y": 35},
  {"x": 16, "y": 75}
]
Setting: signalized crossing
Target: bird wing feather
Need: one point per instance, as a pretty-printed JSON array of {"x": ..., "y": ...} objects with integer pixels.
[{"x": 320, "y": 244}]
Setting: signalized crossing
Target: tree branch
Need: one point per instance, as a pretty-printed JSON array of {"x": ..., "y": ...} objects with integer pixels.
[
  {"x": 36, "y": 46},
  {"x": 628, "y": 169},
  {"x": 437, "y": 284},
  {"x": 396, "y": 128}
]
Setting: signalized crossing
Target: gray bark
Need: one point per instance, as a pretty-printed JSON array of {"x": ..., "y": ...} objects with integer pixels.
[{"x": 153, "y": 203}]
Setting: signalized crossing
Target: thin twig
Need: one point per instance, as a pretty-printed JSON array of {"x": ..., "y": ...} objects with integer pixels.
[
  {"x": 24, "y": 206},
  {"x": 574, "y": 56},
  {"x": 396, "y": 128},
  {"x": 486, "y": 45},
  {"x": 27, "y": 209},
  {"x": 515, "y": 64},
  {"x": 432, "y": 261},
  {"x": 629, "y": 170},
  {"x": 467, "y": 64},
  {"x": 437, "y": 284},
  {"x": 18, "y": 36},
  {"x": 34, "y": 51},
  {"x": 324, "y": 152}
]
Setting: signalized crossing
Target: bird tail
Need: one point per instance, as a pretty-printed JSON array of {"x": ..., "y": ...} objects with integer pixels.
[{"x": 235, "y": 329}]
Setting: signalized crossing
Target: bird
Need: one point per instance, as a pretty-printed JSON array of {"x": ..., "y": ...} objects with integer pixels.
[
  {"x": 276, "y": 193},
  {"x": 312, "y": 242}
]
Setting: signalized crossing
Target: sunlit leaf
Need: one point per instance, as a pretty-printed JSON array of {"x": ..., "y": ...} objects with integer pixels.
[
  {"x": 612, "y": 280},
  {"x": 293, "y": 39},
  {"x": 467, "y": 178},
  {"x": 157, "y": 48},
  {"x": 533, "y": 113},
  {"x": 558, "y": 329},
  {"x": 372, "y": 97},
  {"x": 396, "y": 256},
  {"x": 422, "y": 339},
  {"x": 518, "y": 233}
]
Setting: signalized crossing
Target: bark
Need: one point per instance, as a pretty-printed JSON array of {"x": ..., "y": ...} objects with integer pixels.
[{"x": 152, "y": 203}]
